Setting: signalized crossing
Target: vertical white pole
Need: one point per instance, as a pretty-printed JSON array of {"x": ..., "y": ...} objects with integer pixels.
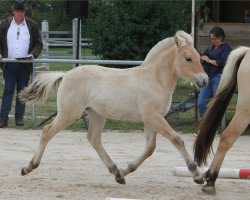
[
  {"x": 74, "y": 38},
  {"x": 33, "y": 105},
  {"x": 80, "y": 40},
  {"x": 193, "y": 19},
  {"x": 45, "y": 37}
]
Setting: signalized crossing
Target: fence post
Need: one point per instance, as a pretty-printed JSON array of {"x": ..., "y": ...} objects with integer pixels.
[
  {"x": 74, "y": 35},
  {"x": 33, "y": 105},
  {"x": 45, "y": 37}
]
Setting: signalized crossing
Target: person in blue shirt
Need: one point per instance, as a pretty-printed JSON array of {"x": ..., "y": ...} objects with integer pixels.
[{"x": 213, "y": 61}]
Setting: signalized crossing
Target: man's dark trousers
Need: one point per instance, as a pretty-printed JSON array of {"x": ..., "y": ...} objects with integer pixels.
[{"x": 15, "y": 74}]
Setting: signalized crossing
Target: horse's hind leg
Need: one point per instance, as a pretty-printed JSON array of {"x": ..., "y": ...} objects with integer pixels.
[
  {"x": 49, "y": 131},
  {"x": 149, "y": 149},
  {"x": 227, "y": 139},
  {"x": 96, "y": 124}
]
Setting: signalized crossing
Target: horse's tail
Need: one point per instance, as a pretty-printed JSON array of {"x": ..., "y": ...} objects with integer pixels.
[
  {"x": 41, "y": 88},
  {"x": 217, "y": 106}
]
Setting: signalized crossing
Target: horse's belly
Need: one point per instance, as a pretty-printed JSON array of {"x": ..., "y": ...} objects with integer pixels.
[
  {"x": 124, "y": 116},
  {"x": 118, "y": 109},
  {"x": 120, "y": 114}
]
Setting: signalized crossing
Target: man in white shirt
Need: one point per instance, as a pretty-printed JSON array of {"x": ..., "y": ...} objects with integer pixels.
[{"x": 19, "y": 38}]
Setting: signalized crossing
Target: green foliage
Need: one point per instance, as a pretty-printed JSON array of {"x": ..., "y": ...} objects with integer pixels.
[
  {"x": 5, "y": 9},
  {"x": 129, "y": 29},
  {"x": 54, "y": 12},
  {"x": 39, "y": 10},
  {"x": 119, "y": 29},
  {"x": 201, "y": 7}
]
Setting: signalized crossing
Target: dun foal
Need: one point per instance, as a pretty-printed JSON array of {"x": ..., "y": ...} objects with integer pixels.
[{"x": 142, "y": 93}]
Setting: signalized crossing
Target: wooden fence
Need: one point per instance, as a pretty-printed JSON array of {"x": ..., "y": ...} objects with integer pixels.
[{"x": 54, "y": 40}]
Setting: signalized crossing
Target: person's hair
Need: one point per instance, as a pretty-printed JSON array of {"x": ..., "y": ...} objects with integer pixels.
[
  {"x": 218, "y": 33},
  {"x": 18, "y": 5}
]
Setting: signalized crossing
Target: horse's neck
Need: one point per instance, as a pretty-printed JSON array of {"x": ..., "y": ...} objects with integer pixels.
[{"x": 163, "y": 67}]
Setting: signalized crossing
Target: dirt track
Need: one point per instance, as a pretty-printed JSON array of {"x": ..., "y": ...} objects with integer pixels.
[{"x": 71, "y": 169}]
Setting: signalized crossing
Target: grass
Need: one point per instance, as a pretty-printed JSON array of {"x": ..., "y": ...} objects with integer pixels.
[{"x": 183, "y": 121}]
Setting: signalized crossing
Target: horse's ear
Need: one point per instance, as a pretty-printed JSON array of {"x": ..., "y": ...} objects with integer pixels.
[
  {"x": 179, "y": 41},
  {"x": 176, "y": 40}
]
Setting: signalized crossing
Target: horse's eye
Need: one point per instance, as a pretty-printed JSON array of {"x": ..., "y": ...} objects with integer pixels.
[{"x": 188, "y": 59}]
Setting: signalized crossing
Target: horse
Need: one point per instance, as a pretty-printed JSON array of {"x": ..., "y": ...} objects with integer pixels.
[
  {"x": 139, "y": 94},
  {"x": 235, "y": 73}
]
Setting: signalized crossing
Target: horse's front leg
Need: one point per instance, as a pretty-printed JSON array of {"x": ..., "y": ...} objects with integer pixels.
[
  {"x": 227, "y": 139},
  {"x": 96, "y": 124},
  {"x": 160, "y": 125},
  {"x": 149, "y": 149}
]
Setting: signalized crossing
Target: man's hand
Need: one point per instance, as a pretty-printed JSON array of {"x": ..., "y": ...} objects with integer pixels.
[
  {"x": 30, "y": 56},
  {"x": 1, "y": 56}
]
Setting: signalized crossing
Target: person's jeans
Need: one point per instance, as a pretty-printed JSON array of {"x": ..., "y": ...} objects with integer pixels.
[
  {"x": 15, "y": 75},
  {"x": 207, "y": 93}
]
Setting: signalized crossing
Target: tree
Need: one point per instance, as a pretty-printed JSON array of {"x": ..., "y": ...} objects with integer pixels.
[
  {"x": 5, "y": 9},
  {"x": 52, "y": 10},
  {"x": 129, "y": 29}
]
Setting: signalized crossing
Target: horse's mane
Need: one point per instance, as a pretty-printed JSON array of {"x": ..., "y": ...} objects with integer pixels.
[{"x": 166, "y": 43}]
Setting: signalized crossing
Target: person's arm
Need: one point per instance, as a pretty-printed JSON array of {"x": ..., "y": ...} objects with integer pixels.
[
  {"x": 223, "y": 57},
  {"x": 1, "y": 35},
  {"x": 213, "y": 62},
  {"x": 205, "y": 55},
  {"x": 38, "y": 44}
]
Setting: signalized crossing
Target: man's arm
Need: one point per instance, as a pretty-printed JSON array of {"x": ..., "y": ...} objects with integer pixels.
[
  {"x": 38, "y": 44},
  {"x": 1, "y": 35}
]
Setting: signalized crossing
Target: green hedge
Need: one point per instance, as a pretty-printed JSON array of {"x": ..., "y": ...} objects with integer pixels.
[{"x": 129, "y": 29}]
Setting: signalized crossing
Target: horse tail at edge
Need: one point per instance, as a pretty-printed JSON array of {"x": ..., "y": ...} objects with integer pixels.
[
  {"x": 217, "y": 106},
  {"x": 41, "y": 88}
]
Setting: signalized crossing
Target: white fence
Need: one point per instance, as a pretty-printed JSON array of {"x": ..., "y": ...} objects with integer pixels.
[{"x": 63, "y": 39}]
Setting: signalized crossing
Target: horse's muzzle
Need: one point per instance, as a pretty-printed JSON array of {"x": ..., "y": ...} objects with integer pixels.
[{"x": 201, "y": 80}]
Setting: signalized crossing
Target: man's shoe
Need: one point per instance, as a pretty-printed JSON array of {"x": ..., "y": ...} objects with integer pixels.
[
  {"x": 3, "y": 123},
  {"x": 19, "y": 121}
]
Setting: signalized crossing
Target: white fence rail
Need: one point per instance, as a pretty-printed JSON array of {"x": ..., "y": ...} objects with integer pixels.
[{"x": 66, "y": 39}]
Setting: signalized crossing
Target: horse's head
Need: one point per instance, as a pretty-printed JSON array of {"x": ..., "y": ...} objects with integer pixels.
[{"x": 187, "y": 60}]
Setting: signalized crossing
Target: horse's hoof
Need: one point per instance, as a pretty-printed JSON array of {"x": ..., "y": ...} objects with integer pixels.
[
  {"x": 120, "y": 180},
  {"x": 24, "y": 172},
  {"x": 209, "y": 190},
  {"x": 198, "y": 180}
]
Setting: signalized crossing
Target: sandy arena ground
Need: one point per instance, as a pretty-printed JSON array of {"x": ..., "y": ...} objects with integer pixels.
[{"x": 71, "y": 169}]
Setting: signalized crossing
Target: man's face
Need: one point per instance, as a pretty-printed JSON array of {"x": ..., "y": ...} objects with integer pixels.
[{"x": 18, "y": 15}]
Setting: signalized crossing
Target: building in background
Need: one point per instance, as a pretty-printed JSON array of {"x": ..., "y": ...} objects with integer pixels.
[{"x": 229, "y": 15}]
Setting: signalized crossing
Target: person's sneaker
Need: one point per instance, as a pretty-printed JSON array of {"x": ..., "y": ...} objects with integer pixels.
[
  {"x": 19, "y": 121},
  {"x": 3, "y": 123}
]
